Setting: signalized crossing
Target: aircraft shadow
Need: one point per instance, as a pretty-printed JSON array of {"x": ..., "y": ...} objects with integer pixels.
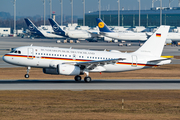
[{"x": 94, "y": 81}]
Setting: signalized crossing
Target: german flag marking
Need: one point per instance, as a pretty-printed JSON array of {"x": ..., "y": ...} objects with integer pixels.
[{"x": 158, "y": 34}]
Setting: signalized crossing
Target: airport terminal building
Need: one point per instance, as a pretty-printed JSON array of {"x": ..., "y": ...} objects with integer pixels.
[{"x": 170, "y": 16}]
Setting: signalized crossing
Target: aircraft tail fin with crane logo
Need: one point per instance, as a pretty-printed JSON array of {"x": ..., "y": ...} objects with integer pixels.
[
  {"x": 57, "y": 29},
  {"x": 102, "y": 26}
]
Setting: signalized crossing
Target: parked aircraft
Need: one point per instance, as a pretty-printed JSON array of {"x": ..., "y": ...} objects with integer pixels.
[
  {"x": 78, "y": 61},
  {"x": 172, "y": 37},
  {"x": 73, "y": 34},
  {"x": 39, "y": 33},
  {"x": 125, "y": 35}
]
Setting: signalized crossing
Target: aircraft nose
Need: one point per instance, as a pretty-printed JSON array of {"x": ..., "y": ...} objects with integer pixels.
[{"x": 5, "y": 58}]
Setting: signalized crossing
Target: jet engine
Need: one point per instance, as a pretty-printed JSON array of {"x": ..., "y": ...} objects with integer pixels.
[
  {"x": 66, "y": 69},
  {"x": 63, "y": 69}
]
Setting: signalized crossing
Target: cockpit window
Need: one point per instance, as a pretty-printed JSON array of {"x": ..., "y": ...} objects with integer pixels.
[
  {"x": 16, "y": 51},
  {"x": 12, "y": 51}
]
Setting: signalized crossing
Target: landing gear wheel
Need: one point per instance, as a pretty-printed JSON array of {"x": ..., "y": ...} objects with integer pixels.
[
  {"x": 26, "y": 75},
  {"x": 87, "y": 79},
  {"x": 77, "y": 78}
]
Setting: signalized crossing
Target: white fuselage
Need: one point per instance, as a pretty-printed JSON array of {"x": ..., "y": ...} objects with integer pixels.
[
  {"x": 126, "y": 35},
  {"x": 81, "y": 34},
  {"x": 50, "y": 57},
  {"x": 48, "y": 34}
]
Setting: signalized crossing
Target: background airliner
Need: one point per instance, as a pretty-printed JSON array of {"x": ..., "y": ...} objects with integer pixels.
[
  {"x": 74, "y": 34},
  {"x": 39, "y": 33},
  {"x": 125, "y": 35},
  {"x": 76, "y": 62}
]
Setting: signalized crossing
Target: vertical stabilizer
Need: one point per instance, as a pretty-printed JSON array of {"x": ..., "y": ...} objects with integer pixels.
[
  {"x": 102, "y": 26},
  {"x": 31, "y": 25},
  {"x": 34, "y": 30},
  {"x": 57, "y": 29},
  {"x": 155, "y": 44}
]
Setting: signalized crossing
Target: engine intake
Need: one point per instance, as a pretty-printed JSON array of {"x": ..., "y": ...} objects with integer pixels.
[{"x": 68, "y": 69}]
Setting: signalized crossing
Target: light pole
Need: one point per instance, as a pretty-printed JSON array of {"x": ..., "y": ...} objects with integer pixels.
[
  {"x": 44, "y": 3},
  {"x": 118, "y": 12},
  {"x": 50, "y": 6},
  {"x": 160, "y": 12},
  {"x": 83, "y": 1},
  {"x": 99, "y": 8},
  {"x": 71, "y": 12},
  {"x": 61, "y": 2},
  {"x": 14, "y": 3},
  {"x": 139, "y": 12}
]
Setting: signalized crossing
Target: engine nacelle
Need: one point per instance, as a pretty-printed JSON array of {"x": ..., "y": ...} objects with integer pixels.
[
  {"x": 65, "y": 69},
  {"x": 107, "y": 39},
  {"x": 50, "y": 71}
]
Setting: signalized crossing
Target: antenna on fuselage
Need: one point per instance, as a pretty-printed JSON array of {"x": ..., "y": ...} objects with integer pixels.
[{"x": 31, "y": 45}]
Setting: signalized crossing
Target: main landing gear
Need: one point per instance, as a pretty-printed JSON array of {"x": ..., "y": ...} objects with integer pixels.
[
  {"x": 27, "y": 75},
  {"x": 87, "y": 79}
]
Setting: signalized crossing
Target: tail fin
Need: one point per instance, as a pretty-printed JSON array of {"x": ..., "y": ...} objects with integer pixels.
[
  {"x": 57, "y": 29},
  {"x": 155, "y": 44},
  {"x": 102, "y": 26},
  {"x": 30, "y": 25}
]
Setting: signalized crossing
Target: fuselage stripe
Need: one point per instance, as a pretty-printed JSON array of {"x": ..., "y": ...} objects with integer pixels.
[{"x": 77, "y": 60}]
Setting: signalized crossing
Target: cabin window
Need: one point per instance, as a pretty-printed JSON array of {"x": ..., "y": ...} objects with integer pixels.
[
  {"x": 69, "y": 55},
  {"x": 87, "y": 56},
  {"x": 82, "y": 56},
  {"x": 79, "y": 56},
  {"x": 41, "y": 53},
  {"x": 95, "y": 57},
  {"x": 54, "y": 54},
  {"x": 57, "y": 54},
  {"x": 65, "y": 55}
]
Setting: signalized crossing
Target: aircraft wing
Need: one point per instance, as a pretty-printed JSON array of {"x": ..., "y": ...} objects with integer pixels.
[
  {"x": 94, "y": 34},
  {"x": 90, "y": 65}
]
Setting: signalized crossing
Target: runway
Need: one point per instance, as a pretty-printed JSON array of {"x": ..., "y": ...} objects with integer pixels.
[{"x": 145, "y": 84}]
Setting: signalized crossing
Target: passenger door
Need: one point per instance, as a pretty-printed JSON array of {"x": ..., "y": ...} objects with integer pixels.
[
  {"x": 134, "y": 61},
  {"x": 30, "y": 54}
]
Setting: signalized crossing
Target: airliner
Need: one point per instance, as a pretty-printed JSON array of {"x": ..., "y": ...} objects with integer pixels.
[
  {"x": 73, "y": 34},
  {"x": 125, "y": 35},
  {"x": 40, "y": 33},
  {"x": 76, "y": 62}
]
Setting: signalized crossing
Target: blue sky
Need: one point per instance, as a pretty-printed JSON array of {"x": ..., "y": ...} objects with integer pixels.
[{"x": 35, "y": 7}]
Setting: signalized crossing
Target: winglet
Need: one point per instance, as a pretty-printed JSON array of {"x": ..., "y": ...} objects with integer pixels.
[{"x": 102, "y": 26}]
